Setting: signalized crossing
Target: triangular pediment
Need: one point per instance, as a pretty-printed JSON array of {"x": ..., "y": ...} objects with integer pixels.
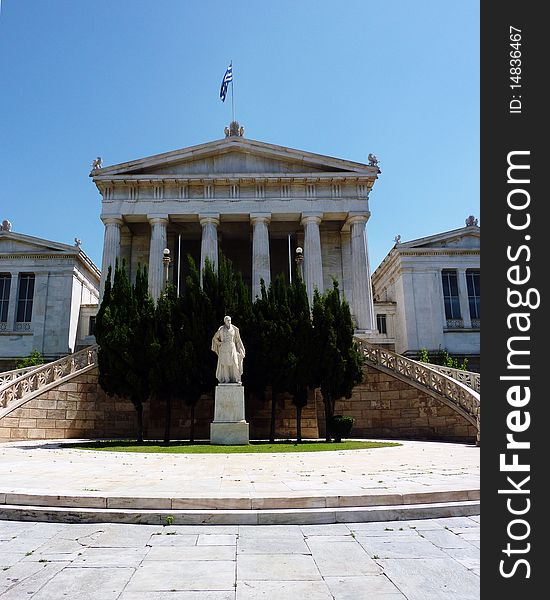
[
  {"x": 235, "y": 156},
  {"x": 18, "y": 243},
  {"x": 465, "y": 237}
]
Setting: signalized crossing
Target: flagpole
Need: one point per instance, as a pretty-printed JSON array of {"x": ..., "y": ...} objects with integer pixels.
[{"x": 232, "y": 102}]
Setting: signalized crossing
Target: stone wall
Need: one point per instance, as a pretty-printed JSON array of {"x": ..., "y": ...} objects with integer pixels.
[{"x": 382, "y": 406}]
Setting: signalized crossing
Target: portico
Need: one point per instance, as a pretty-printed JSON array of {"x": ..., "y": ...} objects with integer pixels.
[{"x": 253, "y": 201}]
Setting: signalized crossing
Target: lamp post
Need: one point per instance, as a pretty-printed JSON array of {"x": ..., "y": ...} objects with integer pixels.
[
  {"x": 166, "y": 263},
  {"x": 299, "y": 258}
]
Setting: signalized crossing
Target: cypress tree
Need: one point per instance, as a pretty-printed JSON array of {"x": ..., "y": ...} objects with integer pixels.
[
  {"x": 199, "y": 324},
  {"x": 123, "y": 332},
  {"x": 301, "y": 375},
  {"x": 338, "y": 361},
  {"x": 168, "y": 365}
]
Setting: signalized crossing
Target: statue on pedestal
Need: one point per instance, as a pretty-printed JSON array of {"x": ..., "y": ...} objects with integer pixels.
[{"x": 227, "y": 344}]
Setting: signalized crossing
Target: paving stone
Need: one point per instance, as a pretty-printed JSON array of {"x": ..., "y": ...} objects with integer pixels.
[
  {"x": 348, "y": 560},
  {"x": 443, "y": 538},
  {"x": 205, "y": 552},
  {"x": 282, "y": 590},
  {"x": 282, "y": 567},
  {"x": 454, "y": 522},
  {"x": 26, "y": 579},
  {"x": 270, "y": 531},
  {"x": 436, "y": 579},
  {"x": 264, "y": 545},
  {"x": 197, "y": 575},
  {"x": 469, "y": 557},
  {"x": 325, "y": 530},
  {"x": 200, "y": 595},
  {"x": 366, "y": 587},
  {"x": 110, "y": 557},
  {"x": 333, "y": 539},
  {"x": 85, "y": 584},
  {"x": 212, "y": 539},
  {"x": 10, "y": 558},
  {"x": 382, "y": 528},
  {"x": 122, "y": 536},
  {"x": 391, "y": 547},
  {"x": 169, "y": 539}
]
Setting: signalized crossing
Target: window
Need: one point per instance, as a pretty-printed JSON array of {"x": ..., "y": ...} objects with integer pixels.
[
  {"x": 473, "y": 281},
  {"x": 25, "y": 297},
  {"x": 5, "y": 286},
  {"x": 381, "y": 324},
  {"x": 91, "y": 326},
  {"x": 450, "y": 295}
]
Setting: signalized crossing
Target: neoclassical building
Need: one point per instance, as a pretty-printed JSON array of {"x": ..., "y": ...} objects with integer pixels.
[
  {"x": 255, "y": 202},
  {"x": 427, "y": 294},
  {"x": 49, "y": 295}
]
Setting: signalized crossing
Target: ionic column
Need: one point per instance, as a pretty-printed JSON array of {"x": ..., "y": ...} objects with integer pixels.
[
  {"x": 261, "y": 265},
  {"x": 313, "y": 266},
  {"x": 463, "y": 298},
  {"x": 158, "y": 244},
  {"x": 111, "y": 249},
  {"x": 363, "y": 307},
  {"x": 209, "y": 240}
]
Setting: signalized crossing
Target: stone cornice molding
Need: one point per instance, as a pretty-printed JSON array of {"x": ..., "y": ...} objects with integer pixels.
[
  {"x": 224, "y": 178},
  {"x": 80, "y": 257},
  {"x": 393, "y": 258},
  {"x": 231, "y": 144}
]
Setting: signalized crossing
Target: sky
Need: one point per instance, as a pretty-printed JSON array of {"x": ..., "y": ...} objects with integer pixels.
[{"x": 127, "y": 79}]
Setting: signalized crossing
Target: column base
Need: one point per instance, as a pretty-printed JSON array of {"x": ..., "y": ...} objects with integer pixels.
[
  {"x": 229, "y": 427},
  {"x": 229, "y": 434}
]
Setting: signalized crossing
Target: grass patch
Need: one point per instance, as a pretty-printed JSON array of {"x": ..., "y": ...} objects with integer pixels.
[{"x": 253, "y": 447}]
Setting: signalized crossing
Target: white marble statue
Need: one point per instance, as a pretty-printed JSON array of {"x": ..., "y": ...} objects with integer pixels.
[{"x": 227, "y": 344}]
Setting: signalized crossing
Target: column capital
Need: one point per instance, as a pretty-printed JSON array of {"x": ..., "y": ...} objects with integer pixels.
[
  {"x": 209, "y": 219},
  {"x": 308, "y": 218},
  {"x": 260, "y": 218},
  {"x": 160, "y": 219},
  {"x": 354, "y": 217},
  {"x": 112, "y": 220}
]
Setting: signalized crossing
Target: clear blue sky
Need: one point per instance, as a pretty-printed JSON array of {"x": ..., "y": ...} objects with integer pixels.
[{"x": 125, "y": 79}]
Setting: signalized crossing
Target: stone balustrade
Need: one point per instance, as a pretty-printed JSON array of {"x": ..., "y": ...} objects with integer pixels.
[
  {"x": 16, "y": 391},
  {"x": 9, "y": 376},
  {"x": 464, "y": 399},
  {"x": 468, "y": 378}
]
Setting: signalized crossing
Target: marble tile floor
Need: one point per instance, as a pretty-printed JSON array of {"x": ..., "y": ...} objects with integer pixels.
[{"x": 428, "y": 559}]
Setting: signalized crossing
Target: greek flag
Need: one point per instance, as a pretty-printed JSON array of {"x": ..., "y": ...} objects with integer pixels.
[{"x": 227, "y": 79}]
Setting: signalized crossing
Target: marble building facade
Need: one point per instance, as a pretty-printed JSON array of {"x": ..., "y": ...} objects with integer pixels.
[
  {"x": 428, "y": 291},
  {"x": 48, "y": 293},
  {"x": 253, "y": 201}
]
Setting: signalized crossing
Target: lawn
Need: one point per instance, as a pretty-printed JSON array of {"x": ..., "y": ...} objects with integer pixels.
[{"x": 253, "y": 447}]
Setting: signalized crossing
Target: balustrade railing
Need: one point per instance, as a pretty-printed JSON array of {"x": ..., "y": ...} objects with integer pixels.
[
  {"x": 455, "y": 392},
  {"x": 7, "y": 376},
  {"x": 34, "y": 380},
  {"x": 468, "y": 378}
]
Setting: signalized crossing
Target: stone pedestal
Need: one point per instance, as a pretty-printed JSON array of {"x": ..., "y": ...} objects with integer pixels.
[{"x": 229, "y": 426}]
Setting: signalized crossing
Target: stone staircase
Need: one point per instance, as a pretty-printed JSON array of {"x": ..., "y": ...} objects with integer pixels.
[
  {"x": 437, "y": 382},
  {"x": 22, "y": 385}
]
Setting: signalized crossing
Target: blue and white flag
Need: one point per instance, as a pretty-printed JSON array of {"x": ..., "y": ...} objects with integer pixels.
[{"x": 227, "y": 79}]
